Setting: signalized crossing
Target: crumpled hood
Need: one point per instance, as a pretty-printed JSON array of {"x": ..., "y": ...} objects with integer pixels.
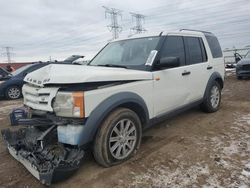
[
  {"x": 71, "y": 74},
  {"x": 244, "y": 61}
]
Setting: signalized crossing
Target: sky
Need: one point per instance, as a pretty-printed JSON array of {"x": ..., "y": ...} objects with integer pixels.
[{"x": 38, "y": 29}]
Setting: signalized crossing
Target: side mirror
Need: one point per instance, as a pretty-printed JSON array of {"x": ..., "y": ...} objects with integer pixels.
[{"x": 169, "y": 62}]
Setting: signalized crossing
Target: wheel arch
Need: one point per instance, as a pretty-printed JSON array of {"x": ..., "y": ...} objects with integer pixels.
[
  {"x": 214, "y": 77},
  {"x": 128, "y": 100},
  {"x": 220, "y": 81}
]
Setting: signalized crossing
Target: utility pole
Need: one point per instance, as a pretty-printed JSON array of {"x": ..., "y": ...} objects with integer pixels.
[
  {"x": 114, "y": 27},
  {"x": 139, "y": 20},
  {"x": 8, "y": 53}
]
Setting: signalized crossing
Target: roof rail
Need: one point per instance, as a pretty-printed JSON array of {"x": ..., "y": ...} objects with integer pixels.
[{"x": 196, "y": 30}]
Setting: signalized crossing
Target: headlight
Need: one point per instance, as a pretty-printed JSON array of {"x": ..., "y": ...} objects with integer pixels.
[{"x": 69, "y": 104}]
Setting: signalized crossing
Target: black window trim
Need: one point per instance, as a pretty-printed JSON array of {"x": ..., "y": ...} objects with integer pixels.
[
  {"x": 203, "y": 50},
  {"x": 186, "y": 51}
]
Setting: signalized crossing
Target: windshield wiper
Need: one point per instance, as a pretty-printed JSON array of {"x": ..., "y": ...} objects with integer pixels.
[{"x": 112, "y": 65}]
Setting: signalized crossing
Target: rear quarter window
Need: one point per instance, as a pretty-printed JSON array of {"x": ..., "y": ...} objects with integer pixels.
[
  {"x": 194, "y": 50},
  {"x": 214, "y": 46}
]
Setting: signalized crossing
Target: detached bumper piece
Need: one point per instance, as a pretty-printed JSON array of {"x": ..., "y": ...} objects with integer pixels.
[{"x": 41, "y": 154}]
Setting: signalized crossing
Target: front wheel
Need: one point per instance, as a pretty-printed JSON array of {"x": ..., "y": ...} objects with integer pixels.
[
  {"x": 211, "y": 102},
  {"x": 118, "y": 138},
  {"x": 13, "y": 92}
]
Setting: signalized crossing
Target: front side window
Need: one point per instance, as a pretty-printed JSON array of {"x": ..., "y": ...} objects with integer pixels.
[
  {"x": 130, "y": 53},
  {"x": 174, "y": 47},
  {"x": 194, "y": 49}
]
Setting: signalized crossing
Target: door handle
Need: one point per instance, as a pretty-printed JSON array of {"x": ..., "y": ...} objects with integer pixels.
[
  {"x": 209, "y": 67},
  {"x": 186, "y": 73}
]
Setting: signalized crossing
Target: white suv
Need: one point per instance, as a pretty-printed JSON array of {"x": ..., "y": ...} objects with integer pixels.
[{"x": 129, "y": 85}]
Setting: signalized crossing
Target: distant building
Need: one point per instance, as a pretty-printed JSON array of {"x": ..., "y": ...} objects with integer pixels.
[{"x": 14, "y": 65}]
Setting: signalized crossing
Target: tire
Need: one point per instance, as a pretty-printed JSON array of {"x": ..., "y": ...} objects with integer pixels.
[
  {"x": 108, "y": 145},
  {"x": 13, "y": 92},
  {"x": 212, "y": 100},
  {"x": 239, "y": 77}
]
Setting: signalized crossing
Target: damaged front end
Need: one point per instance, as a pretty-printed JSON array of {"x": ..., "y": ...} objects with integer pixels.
[{"x": 38, "y": 149}]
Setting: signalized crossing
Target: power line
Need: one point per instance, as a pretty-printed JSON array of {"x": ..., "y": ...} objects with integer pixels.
[
  {"x": 139, "y": 19},
  {"x": 114, "y": 27},
  {"x": 8, "y": 53},
  {"x": 157, "y": 14},
  {"x": 152, "y": 19}
]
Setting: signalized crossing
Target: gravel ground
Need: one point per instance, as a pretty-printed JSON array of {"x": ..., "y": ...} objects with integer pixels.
[{"x": 194, "y": 149}]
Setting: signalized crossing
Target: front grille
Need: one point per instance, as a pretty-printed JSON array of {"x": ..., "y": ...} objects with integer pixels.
[
  {"x": 246, "y": 67},
  {"x": 39, "y": 98}
]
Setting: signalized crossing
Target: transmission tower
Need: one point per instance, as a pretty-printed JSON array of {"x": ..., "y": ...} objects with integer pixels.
[
  {"x": 139, "y": 19},
  {"x": 8, "y": 53},
  {"x": 114, "y": 27}
]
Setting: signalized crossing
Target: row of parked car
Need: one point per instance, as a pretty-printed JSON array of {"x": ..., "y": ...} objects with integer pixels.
[{"x": 11, "y": 83}]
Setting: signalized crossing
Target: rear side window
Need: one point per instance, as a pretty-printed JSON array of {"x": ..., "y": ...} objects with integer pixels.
[
  {"x": 214, "y": 46},
  {"x": 174, "y": 47},
  {"x": 194, "y": 48}
]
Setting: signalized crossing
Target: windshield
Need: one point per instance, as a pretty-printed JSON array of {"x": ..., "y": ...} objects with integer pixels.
[
  {"x": 248, "y": 55},
  {"x": 127, "y": 53},
  {"x": 16, "y": 72}
]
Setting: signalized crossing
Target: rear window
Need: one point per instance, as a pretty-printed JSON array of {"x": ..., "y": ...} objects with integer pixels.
[{"x": 214, "y": 46}]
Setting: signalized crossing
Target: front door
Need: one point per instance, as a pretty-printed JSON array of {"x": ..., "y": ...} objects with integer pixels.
[{"x": 170, "y": 85}]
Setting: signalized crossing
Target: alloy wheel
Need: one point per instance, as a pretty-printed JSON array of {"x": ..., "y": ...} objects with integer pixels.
[{"x": 122, "y": 139}]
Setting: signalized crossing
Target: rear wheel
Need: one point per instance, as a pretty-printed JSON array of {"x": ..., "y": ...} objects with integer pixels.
[
  {"x": 239, "y": 77},
  {"x": 118, "y": 138},
  {"x": 13, "y": 92},
  {"x": 212, "y": 99}
]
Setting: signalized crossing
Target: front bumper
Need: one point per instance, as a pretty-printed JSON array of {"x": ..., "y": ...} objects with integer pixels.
[
  {"x": 245, "y": 73},
  {"x": 41, "y": 154}
]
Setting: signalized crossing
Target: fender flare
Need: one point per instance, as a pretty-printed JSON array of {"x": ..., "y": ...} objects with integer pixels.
[
  {"x": 215, "y": 76},
  {"x": 97, "y": 116}
]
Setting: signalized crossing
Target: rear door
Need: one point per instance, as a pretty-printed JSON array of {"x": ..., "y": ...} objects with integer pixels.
[
  {"x": 197, "y": 66},
  {"x": 170, "y": 85}
]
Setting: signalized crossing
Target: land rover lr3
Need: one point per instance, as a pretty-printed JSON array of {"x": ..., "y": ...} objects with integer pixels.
[{"x": 128, "y": 86}]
